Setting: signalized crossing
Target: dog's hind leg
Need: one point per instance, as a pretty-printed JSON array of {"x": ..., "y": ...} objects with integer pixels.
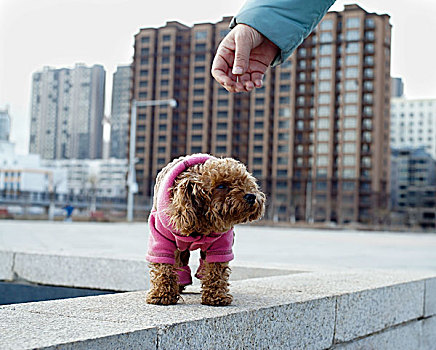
[
  {"x": 164, "y": 289},
  {"x": 215, "y": 285}
]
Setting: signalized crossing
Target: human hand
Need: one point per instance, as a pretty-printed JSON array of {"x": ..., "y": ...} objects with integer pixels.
[{"x": 242, "y": 59}]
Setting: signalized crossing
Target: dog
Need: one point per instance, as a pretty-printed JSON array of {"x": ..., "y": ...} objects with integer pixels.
[{"x": 197, "y": 201}]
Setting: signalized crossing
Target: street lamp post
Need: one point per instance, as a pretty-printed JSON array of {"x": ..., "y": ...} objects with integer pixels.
[{"x": 131, "y": 177}]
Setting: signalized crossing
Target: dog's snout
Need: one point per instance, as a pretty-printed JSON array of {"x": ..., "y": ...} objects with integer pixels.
[{"x": 250, "y": 198}]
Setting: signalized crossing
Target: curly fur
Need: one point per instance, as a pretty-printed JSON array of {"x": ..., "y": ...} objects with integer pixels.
[
  {"x": 205, "y": 198},
  {"x": 215, "y": 285},
  {"x": 164, "y": 289},
  {"x": 198, "y": 206}
]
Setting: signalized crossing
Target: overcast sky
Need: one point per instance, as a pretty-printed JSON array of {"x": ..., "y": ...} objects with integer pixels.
[{"x": 60, "y": 33}]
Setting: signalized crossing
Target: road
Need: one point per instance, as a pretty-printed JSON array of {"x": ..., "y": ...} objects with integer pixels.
[{"x": 254, "y": 245}]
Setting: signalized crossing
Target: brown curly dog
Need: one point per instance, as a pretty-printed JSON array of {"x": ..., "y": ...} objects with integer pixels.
[{"x": 197, "y": 201}]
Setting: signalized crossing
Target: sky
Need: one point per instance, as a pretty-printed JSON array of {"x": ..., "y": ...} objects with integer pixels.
[{"x": 61, "y": 33}]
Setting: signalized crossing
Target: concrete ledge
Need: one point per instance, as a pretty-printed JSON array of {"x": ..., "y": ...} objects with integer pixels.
[
  {"x": 313, "y": 310},
  {"x": 96, "y": 272}
]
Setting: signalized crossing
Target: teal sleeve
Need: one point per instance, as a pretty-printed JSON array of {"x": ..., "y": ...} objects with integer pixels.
[{"x": 285, "y": 22}]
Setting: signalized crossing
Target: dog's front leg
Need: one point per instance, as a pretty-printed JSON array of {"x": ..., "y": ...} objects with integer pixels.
[
  {"x": 215, "y": 285},
  {"x": 163, "y": 285}
]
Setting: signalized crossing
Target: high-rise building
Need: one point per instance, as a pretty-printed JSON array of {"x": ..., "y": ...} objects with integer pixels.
[
  {"x": 67, "y": 112},
  {"x": 5, "y": 124},
  {"x": 413, "y": 124},
  {"x": 413, "y": 186},
  {"x": 397, "y": 87},
  {"x": 316, "y": 135},
  {"x": 120, "y": 111}
]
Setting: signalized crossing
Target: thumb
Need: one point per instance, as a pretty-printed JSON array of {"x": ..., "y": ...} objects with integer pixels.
[{"x": 242, "y": 54}]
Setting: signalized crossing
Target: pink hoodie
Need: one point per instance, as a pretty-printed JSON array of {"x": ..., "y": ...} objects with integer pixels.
[{"x": 164, "y": 240}]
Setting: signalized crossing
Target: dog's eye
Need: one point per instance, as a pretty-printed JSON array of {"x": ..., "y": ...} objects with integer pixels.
[{"x": 221, "y": 187}]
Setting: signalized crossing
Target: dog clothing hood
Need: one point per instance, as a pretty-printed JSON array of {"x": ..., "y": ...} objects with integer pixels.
[{"x": 163, "y": 238}]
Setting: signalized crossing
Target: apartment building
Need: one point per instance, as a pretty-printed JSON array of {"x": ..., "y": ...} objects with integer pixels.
[
  {"x": 413, "y": 186},
  {"x": 316, "y": 135},
  {"x": 67, "y": 110},
  {"x": 5, "y": 125},
  {"x": 120, "y": 111},
  {"x": 413, "y": 124}
]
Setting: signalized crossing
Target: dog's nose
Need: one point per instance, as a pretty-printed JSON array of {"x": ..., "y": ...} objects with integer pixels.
[{"x": 250, "y": 198}]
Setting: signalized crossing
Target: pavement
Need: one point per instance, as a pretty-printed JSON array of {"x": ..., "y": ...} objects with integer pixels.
[{"x": 256, "y": 246}]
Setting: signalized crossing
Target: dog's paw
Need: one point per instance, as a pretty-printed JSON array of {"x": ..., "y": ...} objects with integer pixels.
[
  {"x": 216, "y": 300},
  {"x": 152, "y": 298}
]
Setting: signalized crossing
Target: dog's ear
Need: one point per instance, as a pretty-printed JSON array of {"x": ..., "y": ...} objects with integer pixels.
[{"x": 184, "y": 209}]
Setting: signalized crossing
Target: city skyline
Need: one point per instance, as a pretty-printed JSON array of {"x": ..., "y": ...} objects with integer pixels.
[{"x": 112, "y": 45}]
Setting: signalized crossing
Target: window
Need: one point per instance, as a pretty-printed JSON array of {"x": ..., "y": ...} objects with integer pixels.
[
  {"x": 325, "y": 61},
  {"x": 369, "y": 48},
  {"x": 166, "y": 37},
  {"x": 200, "y": 58},
  {"x": 221, "y": 126},
  {"x": 348, "y": 173},
  {"x": 285, "y": 88},
  {"x": 258, "y": 149},
  {"x": 323, "y": 111},
  {"x": 352, "y": 60},
  {"x": 352, "y": 48},
  {"x": 283, "y": 124},
  {"x": 197, "y": 126},
  {"x": 370, "y": 36},
  {"x": 258, "y": 137},
  {"x": 326, "y": 37},
  {"x": 324, "y": 86},
  {"x": 284, "y": 112},
  {"x": 323, "y": 136},
  {"x": 258, "y": 125},
  {"x": 258, "y": 113},
  {"x": 221, "y": 149},
  {"x": 165, "y": 49},
  {"x": 323, "y": 123},
  {"x": 145, "y": 51},
  {"x": 196, "y": 138},
  {"x": 199, "y": 81},
  {"x": 143, "y": 72},
  {"x": 350, "y": 97},
  {"x": 351, "y": 73},
  {"x": 368, "y": 73},
  {"x": 369, "y": 23},
  {"x": 199, "y": 69},
  {"x": 350, "y": 122},
  {"x": 353, "y": 22},
  {"x": 285, "y": 75},
  {"x": 221, "y": 137},
  {"x": 350, "y": 110},
  {"x": 325, "y": 73},
  {"x": 198, "y": 92},
  {"x": 324, "y": 98},
  {"x": 350, "y": 135},
  {"x": 197, "y": 115},
  {"x": 325, "y": 49},
  {"x": 201, "y": 34},
  {"x": 200, "y": 47},
  {"x": 222, "y": 114},
  {"x": 198, "y": 103},
  {"x": 145, "y": 39},
  {"x": 322, "y": 161},
  {"x": 326, "y": 24},
  {"x": 352, "y": 35},
  {"x": 322, "y": 148}
]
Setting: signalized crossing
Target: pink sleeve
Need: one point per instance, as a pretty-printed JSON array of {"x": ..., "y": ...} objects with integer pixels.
[
  {"x": 221, "y": 249},
  {"x": 160, "y": 248}
]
